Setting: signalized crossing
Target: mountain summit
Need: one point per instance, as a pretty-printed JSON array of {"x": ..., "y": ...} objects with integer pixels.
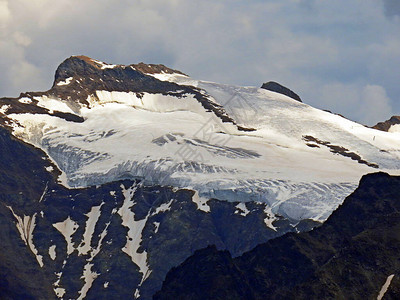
[{"x": 276, "y": 87}]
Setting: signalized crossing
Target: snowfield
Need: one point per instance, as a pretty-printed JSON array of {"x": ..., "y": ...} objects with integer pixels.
[{"x": 288, "y": 160}]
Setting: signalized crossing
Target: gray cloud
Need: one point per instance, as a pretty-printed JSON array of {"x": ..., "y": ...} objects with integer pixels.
[
  {"x": 392, "y": 7},
  {"x": 327, "y": 51}
]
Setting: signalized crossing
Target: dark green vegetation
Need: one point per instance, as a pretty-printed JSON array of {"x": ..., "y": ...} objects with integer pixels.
[{"x": 349, "y": 257}]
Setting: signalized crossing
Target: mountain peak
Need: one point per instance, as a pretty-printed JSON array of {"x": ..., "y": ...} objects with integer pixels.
[
  {"x": 80, "y": 66},
  {"x": 278, "y": 88},
  {"x": 85, "y": 66},
  {"x": 78, "y": 77},
  {"x": 386, "y": 125}
]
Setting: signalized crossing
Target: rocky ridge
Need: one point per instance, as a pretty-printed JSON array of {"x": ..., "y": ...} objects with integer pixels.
[{"x": 350, "y": 256}]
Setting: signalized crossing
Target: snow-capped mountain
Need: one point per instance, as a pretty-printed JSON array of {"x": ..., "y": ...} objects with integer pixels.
[
  {"x": 169, "y": 164},
  {"x": 102, "y": 123}
]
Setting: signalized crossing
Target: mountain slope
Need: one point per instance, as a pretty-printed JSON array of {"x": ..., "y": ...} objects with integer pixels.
[
  {"x": 136, "y": 167},
  {"x": 110, "y": 240},
  {"x": 350, "y": 256},
  {"x": 226, "y": 142}
]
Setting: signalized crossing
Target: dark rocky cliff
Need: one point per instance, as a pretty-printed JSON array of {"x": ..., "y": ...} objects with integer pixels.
[
  {"x": 349, "y": 257},
  {"x": 384, "y": 126},
  {"x": 278, "y": 88},
  {"x": 30, "y": 192}
]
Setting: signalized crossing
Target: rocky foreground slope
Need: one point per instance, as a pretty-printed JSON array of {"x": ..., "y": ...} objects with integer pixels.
[
  {"x": 353, "y": 255},
  {"x": 116, "y": 240}
]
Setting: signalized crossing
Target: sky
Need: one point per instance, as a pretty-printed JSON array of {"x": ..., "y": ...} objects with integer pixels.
[{"x": 342, "y": 55}]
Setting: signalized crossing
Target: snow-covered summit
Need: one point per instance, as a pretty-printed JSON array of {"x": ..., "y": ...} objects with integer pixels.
[{"x": 102, "y": 122}]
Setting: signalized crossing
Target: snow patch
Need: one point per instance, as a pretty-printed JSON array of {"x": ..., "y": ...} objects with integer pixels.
[
  {"x": 163, "y": 207},
  {"x": 66, "y": 82},
  {"x": 385, "y": 287},
  {"x": 242, "y": 209},
  {"x": 53, "y": 104},
  {"x": 4, "y": 108},
  {"x": 60, "y": 292},
  {"x": 201, "y": 202},
  {"x": 135, "y": 227},
  {"x": 168, "y": 76},
  {"x": 44, "y": 193},
  {"x": 89, "y": 276},
  {"x": 25, "y": 100},
  {"x": 52, "y": 252},
  {"x": 102, "y": 236},
  {"x": 67, "y": 228},
  {"x": 93, "y": 216},
  {"x": 394, "y": 128},
  {"x": 270, "y": 217},
  {"x": 136, "y": 295},
  {"x": 150, "y": 102},
  {"x": 103, "y": 65},
  {"x": 25, "y": 227},
  {"x": 156, "y": 226}
]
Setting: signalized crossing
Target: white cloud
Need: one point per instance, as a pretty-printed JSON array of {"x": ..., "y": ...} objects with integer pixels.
[
  {"x": 375, "y": 105},
  {"x": 21, "y": 39},
  {"x": 5, "y": 13}
]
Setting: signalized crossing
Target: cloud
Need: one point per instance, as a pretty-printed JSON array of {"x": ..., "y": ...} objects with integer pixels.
[
  {"x": 375, "y": 104},
  {"x": 392, "y": 7},
  {"x": 368, "y": 104},
  {"x": 317, "y": 48},
  {"x": 4, "y": 13}
]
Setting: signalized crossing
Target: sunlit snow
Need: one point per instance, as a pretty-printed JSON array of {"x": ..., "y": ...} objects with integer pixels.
[
  {"x": 134, "y": 238},
  {"x": 66, "y": 82},
  {"x": 174, "y": 141},
  {"x": 67, "y": 228}
]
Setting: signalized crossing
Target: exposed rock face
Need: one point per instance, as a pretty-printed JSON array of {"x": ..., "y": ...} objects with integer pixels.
[
  {"x": 350, "y": 256},
  {"x": 278, "y": 88},
  {"x": 86, "y": 76},
  {"x": 79, "y": 77},
  {"x": 385, "y": 126}
]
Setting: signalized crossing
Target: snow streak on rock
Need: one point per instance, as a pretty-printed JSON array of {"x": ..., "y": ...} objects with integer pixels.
[
  {"x": 385, "y": 287},
  {"x": 25, "y": 226},
  {"x": 67, "y": 228},
  {"x": 134, "y": 237},
  {"x": 89, "y": 276},
  {"x": 93, "y": 216}
]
